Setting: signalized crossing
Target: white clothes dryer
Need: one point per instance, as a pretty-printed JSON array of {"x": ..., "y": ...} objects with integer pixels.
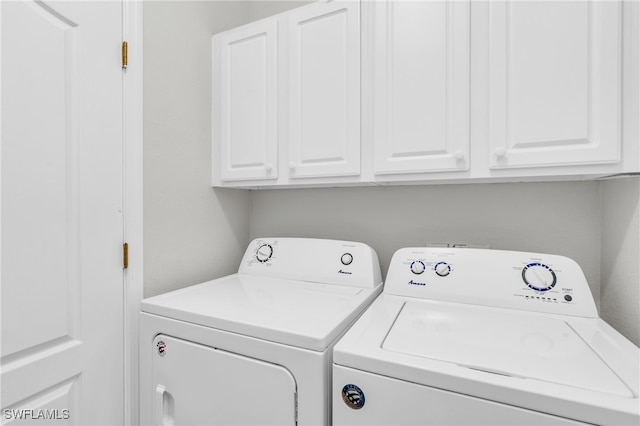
[
  {"x": 255, "y": 348},
  {"x": 470, "y": 336}
]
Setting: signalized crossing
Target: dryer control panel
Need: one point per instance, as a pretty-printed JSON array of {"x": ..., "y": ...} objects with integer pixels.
[
  {"x": 316, "y": 260},
  {"x": 508, "y": 279}
]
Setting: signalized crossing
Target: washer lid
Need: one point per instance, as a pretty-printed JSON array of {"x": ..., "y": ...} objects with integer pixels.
[
  {"x": 507, "y": 343},
  {"x": 298, "y": 313}
]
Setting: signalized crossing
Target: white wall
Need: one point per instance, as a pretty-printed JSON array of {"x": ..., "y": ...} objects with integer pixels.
[
  {"x": 620, "y": 290},
  {"x": 559, "y": 218},
  {"x": 191, "y": 232}
]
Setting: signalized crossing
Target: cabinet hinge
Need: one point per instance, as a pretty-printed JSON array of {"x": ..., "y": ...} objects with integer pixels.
[
  {"x": 125, "y": 255},
  {"x": 125, "y": 54}
]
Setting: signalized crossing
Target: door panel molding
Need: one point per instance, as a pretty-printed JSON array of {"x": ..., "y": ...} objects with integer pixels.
[{"x": 133, "y": 205}]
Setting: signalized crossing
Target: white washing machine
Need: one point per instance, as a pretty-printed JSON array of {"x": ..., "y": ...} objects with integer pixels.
[
  {"x": 255, "y": 348},
  {"x": 469, "y": 336}
]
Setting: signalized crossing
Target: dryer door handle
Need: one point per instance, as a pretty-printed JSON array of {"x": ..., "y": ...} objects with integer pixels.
[{"x": 164, "y": 407}]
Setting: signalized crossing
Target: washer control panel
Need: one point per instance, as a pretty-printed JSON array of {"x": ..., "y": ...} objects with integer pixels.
[
  {"x": 509, "y": 279},
  {"x": 317, "y": 260}
]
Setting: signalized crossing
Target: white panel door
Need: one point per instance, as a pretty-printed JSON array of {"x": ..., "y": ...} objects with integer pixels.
[
  {"x": 197, "y": 385},
  {"x": 555, "y": 76},
  {"x": 248, "y": 87},
  {"x": 421, "y": 86},
  {"x": 324, "y": 89},
  {"x": 62, "y": 224}
]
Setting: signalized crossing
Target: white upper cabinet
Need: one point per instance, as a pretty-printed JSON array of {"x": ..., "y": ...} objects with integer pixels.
[
  {"x": 324, "y": 89},
  {"x": 351, "y": 92},
  {"x": 554, "y": 84},
  {"x": 286, "y": 98},
  {"x": 421, "y": 86},
  {"x": 246, "y": 101}
]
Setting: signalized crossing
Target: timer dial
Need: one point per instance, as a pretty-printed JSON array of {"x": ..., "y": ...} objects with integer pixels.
[
  {"x": 264, "y": 253},
  {"x": 417, "y": 267},
  {"x": 346, "y": 259},
  {"x": 442, "y": 269},
  {"x": 539, "y": 277}
]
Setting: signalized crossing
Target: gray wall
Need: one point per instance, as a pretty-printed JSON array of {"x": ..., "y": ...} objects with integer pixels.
[
  {"x": 620, "y": 296},
  {"x": 560, "y": 218},
  {"x": 595, "y": 223},
  {"x": 191, "y": 232}
]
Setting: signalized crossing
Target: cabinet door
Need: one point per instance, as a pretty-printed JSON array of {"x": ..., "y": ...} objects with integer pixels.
[
  {"x": 324, "y": 89},
  {"x": 248, "y": 106},
  {"x": 421, "y": 86},
  {"x": 555, "y": 76}
]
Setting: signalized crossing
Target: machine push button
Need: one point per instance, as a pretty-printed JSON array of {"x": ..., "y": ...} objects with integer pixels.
[{"x": 346, "y": 259}]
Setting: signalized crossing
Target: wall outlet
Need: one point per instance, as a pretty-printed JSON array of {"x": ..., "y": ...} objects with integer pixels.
[
  {"x": 457, "y": 245},
  {"x": 440, "y": 245},
  {"x": 466, "y": 245}
]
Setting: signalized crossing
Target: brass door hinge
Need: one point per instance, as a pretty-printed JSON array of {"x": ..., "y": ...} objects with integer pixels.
[
  {"x": 125, "y": 54},
  {"x": 125, "y": 256}
]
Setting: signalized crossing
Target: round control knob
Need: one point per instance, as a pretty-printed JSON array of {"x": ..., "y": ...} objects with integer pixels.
[
  {"x": 264, "y": 253},
  {"x": 459, "y": 155},
  {"x": 346, "y": 259},
  {"x": 500, "y": 152},
  {"x": 417, "y": 267},
  {"x": 539, "y": 277},
  {"x": 442, "y": 269}
]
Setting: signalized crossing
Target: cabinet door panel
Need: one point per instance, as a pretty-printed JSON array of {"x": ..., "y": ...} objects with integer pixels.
[
  {"x": 421, "y": 86},
  {"x": 248, "y": 102},
  {"x": 554, "y": 83},
  {"x": 324, "y": 90}
]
